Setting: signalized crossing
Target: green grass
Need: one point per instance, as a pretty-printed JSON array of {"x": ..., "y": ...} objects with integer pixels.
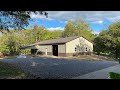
[
  {"x": 11, "y": 72},
  {"x": 114, "y": 75},
  {"x": 10, "y": 57}
]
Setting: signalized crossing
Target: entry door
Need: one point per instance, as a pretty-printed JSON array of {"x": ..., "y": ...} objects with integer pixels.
[
  {"x": 33, "y": 51},
  {"x": 55, "y": 50}
]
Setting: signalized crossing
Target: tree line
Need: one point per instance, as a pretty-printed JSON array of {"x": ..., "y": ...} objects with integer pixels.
[
  {"x": 107, "y": 42},
  {"x": 11, "y": 41}
]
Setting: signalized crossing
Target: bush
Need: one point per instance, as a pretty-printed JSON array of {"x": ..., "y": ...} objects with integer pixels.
[{"x": 114, "y": 75}]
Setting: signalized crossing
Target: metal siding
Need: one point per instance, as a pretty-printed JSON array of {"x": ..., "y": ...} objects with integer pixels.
[
  {"x": 42, "y": 48},
  {"x": 70, "y": 46},
  {"x": 61, "y": 48}
]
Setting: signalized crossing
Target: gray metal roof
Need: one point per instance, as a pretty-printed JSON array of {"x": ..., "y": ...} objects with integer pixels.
[
  {"x": 56, "y": 41},
  {"x": 52, "y": 41}
]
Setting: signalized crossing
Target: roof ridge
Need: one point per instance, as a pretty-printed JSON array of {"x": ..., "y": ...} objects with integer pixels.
[{"x": 61, "y": 38}]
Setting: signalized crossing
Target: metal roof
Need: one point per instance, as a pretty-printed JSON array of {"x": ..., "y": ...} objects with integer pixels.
[
  {"x": 57, "y": 41},
  {"x": 52, "y": 41}
]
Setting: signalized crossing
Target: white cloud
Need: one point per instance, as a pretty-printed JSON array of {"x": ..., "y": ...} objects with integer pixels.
[
  {"x": 38, "y": 16},
  {"x": 56, "y": 28},
  {"x": 65, "y": 21},
  {"x": 89, "y": 16},
  {"x": 73, "y": 15},
  {"x": 97, "y": 22}
]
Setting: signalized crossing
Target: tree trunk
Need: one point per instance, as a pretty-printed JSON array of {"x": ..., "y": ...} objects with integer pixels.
[{"x": 116, "y": 53}]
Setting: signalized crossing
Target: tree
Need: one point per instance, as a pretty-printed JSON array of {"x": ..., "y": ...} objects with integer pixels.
[
  {"x": 12, "y": 42},
  {"x": 101, "y": 42},
  {"x": 41, "y": 33},
  {"x": 83, "y": 29},
  {"x": 38, "y": 33},
  {"x": 69, "y": 30},
  {"x": 78, "y": 28},
  {"x": 16, "y": 19},
  {"x": 109, "y": 40},
  {"x": 55, "y": 34}
]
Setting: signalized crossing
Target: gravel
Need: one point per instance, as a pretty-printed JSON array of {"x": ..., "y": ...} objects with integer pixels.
[{"x": 58, "y": 68}]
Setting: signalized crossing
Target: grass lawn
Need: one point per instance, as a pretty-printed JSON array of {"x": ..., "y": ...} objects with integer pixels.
[
  {"x": 11, "y": 72},
  {"x": 10, "y": 57},
  {"x": 114, "y": 75}
]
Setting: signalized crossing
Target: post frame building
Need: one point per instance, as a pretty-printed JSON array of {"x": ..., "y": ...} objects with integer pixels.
[{"x": 62, "y": 46}]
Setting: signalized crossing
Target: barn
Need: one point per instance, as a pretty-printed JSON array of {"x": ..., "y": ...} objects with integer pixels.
[{"x": 62, "y": 46}]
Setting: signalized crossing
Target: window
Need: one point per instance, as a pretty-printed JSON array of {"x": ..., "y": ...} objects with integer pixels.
[
  {"x": 86, "y": 49},
  {"x": 75, "y": 49}
]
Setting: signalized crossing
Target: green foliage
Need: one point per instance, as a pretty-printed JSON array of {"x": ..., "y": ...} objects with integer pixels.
[
  {"x": 55, "y": 34},
  {"x": 102, "y": 42},
  {"x": 40, "y": 33},
  {"x": 16, "y": 19},
  {"x": 109, "y": 40},
  {"x": 69, "y": 30},
  {"x": 4, "y": 48},
  {"x": 114, "y": 75},
  {"x": 13, "y": 40},
  {"x": 78, "y": 28}
]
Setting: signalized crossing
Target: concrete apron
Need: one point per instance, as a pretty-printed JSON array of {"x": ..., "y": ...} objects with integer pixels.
[{"x": 100, "y": 74}]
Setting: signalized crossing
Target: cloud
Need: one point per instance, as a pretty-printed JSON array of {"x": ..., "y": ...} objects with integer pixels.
[
  {"x": 114, "y": 19},
  {"x": 66, "y": 22},
  {"x": 88, "y": 16},
  {"x": 99, "y": 19},
  {"x": 97, "y": 22},
  {"x": 55, "y": 28},
  {"x": 73, "y": 15},
  {"x": 38, "y": 16}
]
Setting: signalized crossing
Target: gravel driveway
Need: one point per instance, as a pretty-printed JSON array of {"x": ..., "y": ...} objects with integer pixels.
[{"x": 58, "y": 68}]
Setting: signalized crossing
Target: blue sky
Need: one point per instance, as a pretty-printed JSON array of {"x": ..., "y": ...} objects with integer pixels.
[{"x": 98, "y": 20}]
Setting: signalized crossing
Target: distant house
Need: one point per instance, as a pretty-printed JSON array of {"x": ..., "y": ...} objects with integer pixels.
[{"x": 62, "y": 47}]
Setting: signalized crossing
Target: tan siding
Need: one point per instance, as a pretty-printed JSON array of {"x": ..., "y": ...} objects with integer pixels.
[
  {"x": 61, "y": 48},
  {"x": 70, "y": 46},
  {"x": 42, "y": 48}
]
